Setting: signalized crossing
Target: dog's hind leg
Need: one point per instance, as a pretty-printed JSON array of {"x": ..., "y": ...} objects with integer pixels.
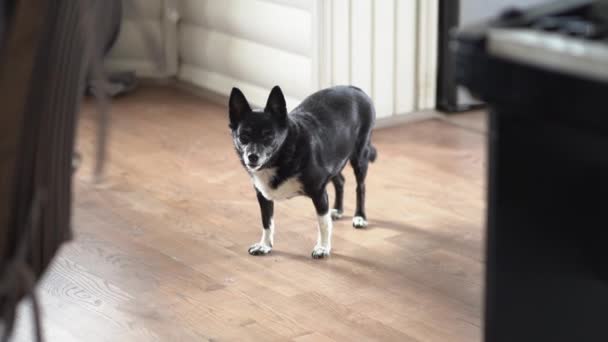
[
  {"x": 338, "y": 210},
  {"x": 360, "y": 164}
]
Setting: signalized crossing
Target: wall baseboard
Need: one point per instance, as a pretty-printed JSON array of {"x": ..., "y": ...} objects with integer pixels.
[
  {"x": 406, "y": 118},
  {"x": 222, "y": 100}
]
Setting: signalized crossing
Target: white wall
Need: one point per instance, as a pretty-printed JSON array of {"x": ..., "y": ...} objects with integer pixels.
[
  {"x": 252, "y": 44},
  {"x": 385, "y": 47}
]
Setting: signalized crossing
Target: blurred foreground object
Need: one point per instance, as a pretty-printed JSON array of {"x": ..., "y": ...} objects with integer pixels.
[
  {"x": 50, "y": 50},
  {"x": 544, "y": 74}
]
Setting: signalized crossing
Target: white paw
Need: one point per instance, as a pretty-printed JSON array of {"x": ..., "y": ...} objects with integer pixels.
[
  {"x": 336, "y": 214},
  {"x": 320, "y": 252},
  {"x": 359, "y": 222},
  {"x": 259, "y": 249}
]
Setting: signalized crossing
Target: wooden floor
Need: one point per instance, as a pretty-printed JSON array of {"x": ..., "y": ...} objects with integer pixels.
[
  {"x": 474, "y": 120},
  {"x": 161, "y": 246}
]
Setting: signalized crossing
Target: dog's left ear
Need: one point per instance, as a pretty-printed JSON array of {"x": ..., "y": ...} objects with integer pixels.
[{"x": 276, "y": 104}]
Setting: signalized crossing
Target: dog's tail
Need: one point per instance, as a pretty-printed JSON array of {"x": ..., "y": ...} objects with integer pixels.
[{"x": 372, "y": 154}]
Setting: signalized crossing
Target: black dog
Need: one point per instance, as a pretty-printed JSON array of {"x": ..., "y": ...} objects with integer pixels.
[{"x": 298, "y": 153}]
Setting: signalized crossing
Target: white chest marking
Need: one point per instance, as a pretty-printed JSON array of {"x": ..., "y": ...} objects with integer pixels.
[{"x": 262, "y": 180}]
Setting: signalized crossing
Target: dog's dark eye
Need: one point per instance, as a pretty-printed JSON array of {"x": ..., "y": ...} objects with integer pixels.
[{"x": 244, "y": 139}]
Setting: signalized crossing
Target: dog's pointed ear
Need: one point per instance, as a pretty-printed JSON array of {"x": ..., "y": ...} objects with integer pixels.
[
  {"x": 276, "y": 104},
  {"x": 237, "y": 107}
]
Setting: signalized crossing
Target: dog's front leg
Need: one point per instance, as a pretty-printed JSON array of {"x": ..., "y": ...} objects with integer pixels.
[
  {"x": 265, "y": 244},
  {"x": 323, "y": 246}
]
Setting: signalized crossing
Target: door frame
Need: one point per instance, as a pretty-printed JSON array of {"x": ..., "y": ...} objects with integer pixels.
[{"x": 447, "y": 87}]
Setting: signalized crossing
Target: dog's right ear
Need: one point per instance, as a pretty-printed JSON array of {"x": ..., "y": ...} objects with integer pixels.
[
  {"x": 276, "y": 104},
  {"x": 237, "y": 107}
]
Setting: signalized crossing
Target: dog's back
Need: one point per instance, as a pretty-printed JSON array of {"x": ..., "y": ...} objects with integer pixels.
[{"x": 339, "y": 121}]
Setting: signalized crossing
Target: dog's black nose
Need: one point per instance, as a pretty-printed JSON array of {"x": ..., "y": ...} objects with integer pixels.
[{"x": 253, "y": 158}]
